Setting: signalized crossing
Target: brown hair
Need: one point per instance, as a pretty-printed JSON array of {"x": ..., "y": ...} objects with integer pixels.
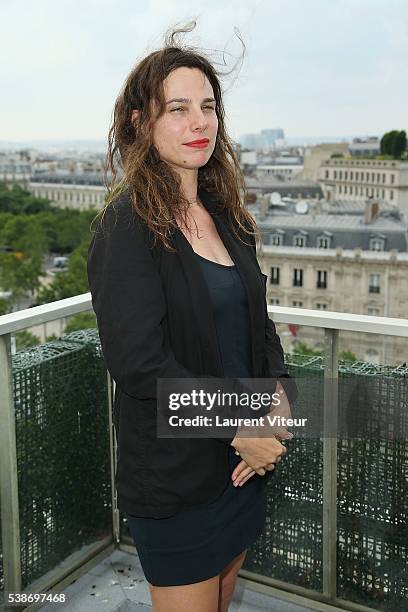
[{"x": 155, "y": 188}]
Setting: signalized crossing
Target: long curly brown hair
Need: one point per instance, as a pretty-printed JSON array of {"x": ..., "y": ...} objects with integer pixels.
[{"x": 133, "y": 162}]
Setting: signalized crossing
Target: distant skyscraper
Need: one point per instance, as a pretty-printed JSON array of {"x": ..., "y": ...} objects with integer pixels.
[
  {"x": 269, "y": 137},
  {"x": 265, "y": 139}
]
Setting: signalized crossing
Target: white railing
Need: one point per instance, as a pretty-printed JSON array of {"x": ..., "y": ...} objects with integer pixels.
[{"x": 331, "y": 322}]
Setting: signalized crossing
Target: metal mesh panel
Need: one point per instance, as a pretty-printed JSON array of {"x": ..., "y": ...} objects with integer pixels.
[
  {"x": 372, "y": 506},
  {"x": 63, "y": 461},
  {"x": 290, "y": 547}
]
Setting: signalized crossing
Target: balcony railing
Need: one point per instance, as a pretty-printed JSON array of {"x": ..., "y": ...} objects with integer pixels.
[{"x": 383, "y": 572}]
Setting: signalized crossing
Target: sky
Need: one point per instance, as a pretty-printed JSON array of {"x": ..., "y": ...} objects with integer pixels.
[{"x": 312, "y": 67}]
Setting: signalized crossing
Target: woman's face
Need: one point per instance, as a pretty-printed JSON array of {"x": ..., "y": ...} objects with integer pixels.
[{"x": 193, "y": 118}]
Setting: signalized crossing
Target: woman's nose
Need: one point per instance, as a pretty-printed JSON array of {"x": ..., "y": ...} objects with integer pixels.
[{"x": 198, "y": 119}]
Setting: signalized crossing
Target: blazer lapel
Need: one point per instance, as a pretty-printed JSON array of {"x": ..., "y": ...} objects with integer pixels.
[{"x": 200, "y": 297}]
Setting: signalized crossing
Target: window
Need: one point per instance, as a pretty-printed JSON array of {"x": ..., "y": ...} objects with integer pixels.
[
  {"x": 377, "y": 244},
  {"x": 374, "y": 312},
  {"x": 297, "y": 277},
  {"x": 383, "y": 178},
  {"x": 274, "y": 301},
  {"x": 321, "y": 306},
  {"x": 392, "y": 179},
  {"x": 326, "y": 174},
  {"x": 274, "y": 279},
  {"x": 374, "y": 283},
  {"x": 323, "y": 242},
  {"x": 351, "y": 175},
  {"x": 276, "y": 239},
  {"x": 297, "y": 304},
  {"x": 299, "y": 240},
  {"x": 391, "y": 195},
  {"x": 321, "y": 279}
]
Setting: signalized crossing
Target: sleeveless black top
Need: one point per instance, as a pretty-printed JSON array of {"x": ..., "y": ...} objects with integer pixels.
[{"x": 231, "y": 316}]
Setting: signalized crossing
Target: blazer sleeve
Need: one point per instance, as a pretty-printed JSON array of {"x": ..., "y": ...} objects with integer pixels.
[{"x": 129, "y": 303}]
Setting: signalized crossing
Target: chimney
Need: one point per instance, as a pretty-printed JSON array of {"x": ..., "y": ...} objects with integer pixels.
[
  {"x": 264, "y": 205},
  {"x": 372, "y": 210}
]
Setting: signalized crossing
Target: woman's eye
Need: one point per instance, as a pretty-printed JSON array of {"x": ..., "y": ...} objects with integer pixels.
[{"x": 179, "y": 108}]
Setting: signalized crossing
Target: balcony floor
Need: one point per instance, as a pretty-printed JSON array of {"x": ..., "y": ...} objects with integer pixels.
[{"x": 117, "y": 583}]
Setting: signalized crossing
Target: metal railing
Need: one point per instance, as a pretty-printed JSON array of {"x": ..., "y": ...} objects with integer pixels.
[{"x": 331, "y": 322}]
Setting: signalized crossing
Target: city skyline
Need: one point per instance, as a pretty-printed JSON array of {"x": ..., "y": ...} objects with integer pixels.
[{"x": 329, "y": 68}]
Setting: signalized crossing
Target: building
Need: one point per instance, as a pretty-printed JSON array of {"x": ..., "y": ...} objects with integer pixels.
[
  {"x": 79, "y": 191},
  {"x": 314, "y": 157},
  {"x": 354, "y": 263},
  {"x": 358, "y": 179},
  {"x": 361, "y": 147}
]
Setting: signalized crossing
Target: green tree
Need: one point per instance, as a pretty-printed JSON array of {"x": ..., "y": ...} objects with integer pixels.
[
  {"x": 70, "y": 282},
  {"x": 301, "y": 348},
  {"x": 19, "y": 275},
  {"x": 394, "y": 143},
  {"x": 84, "y": 320},
  {"x": 24, "y": 233},
  {"x": 25, "y": 339},
  {"x": 399, "y": 144},
  {"x": 16, "y": 200}
]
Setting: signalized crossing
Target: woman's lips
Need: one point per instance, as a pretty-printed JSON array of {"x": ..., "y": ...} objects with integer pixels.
[{"x": 198, "y": 145}]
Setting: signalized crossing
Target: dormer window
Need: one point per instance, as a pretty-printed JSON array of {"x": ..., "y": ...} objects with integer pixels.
[
  {"x": 300, "y": 238},
  {"x": 324, "y": 240},
  {"x": 377, "y": 243},
  {"x": 276, "y": 238}
]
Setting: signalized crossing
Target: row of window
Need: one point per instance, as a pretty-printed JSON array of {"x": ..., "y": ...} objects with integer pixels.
[
  {"x": 355, "y": 175},
  {"x": 299, "y": 240},
  {"x": 69, "y": 196},
  {"x": 374, "y": 312},
  {"x": 376, "y": 243},
  {"x": 368, "y": 191},
  {"x": 321, "y": 279}
]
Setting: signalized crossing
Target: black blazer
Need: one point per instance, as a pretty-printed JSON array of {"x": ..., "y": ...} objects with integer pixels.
[{"x": 155, "y": 321}]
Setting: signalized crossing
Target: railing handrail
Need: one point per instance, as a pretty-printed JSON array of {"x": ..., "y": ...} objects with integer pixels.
[{"x": 342, "y": 321}]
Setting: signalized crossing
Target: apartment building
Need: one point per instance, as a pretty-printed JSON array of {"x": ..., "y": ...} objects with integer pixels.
[
  {"x": 80, "y": 191},
  {"x": 354, "y": 263},
  {"x": 354, "y": 179}
]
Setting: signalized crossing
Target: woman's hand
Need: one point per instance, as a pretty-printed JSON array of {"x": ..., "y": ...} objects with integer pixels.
[{"x": 244, "y": 472}]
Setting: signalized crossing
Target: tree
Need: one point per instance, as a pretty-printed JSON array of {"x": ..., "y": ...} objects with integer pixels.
[
  {"x": 24, "y": 233},
  {"x": 19, "y": 275},
  {"x": 84, "y": 320},
  {"x": 25, "y": 339},
  {"x": 70, "y": 282},
  {"x": 394, "y": 143},
  {"x": 16, "y": 200}
]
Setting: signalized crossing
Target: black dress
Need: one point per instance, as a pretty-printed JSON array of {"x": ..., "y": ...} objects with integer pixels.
[{"x": 197, "y": 544}]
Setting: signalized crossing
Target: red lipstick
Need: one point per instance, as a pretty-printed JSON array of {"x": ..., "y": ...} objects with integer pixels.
[{"x": 198, "y": 144}]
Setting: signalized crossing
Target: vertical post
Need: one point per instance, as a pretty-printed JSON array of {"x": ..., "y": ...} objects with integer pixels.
[
  {"x": 10, "y": 519},
  {"x": 330, "y": 420},
  {"x": 113, "y": 462}
]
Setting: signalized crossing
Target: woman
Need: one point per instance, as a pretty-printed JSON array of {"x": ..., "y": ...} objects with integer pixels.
[{"x": 178, "y": 293}]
